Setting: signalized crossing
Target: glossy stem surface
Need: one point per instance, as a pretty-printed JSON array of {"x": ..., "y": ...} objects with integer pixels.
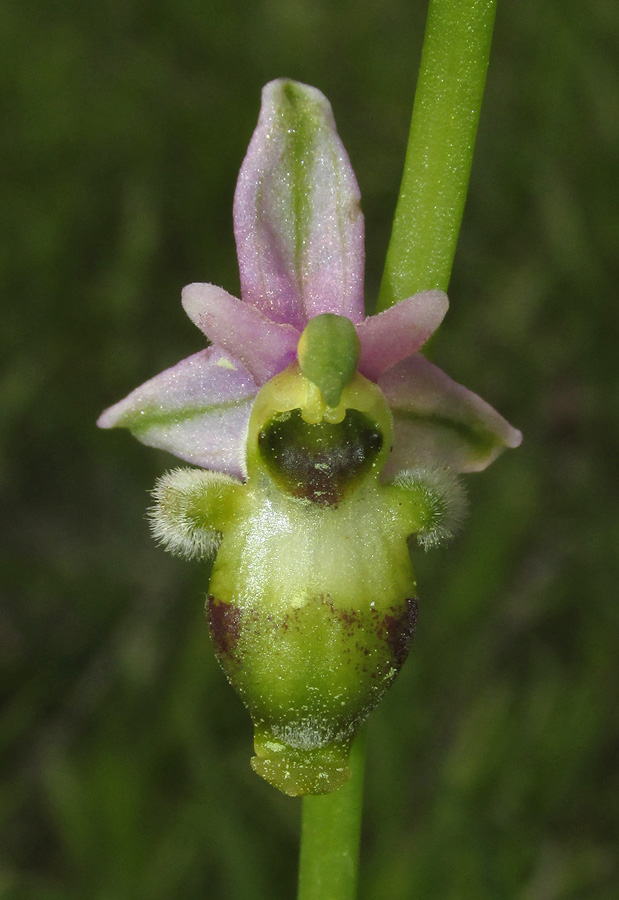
[
  {"x": 448, "y": 98},
  {"x": 330, "y": 835}
]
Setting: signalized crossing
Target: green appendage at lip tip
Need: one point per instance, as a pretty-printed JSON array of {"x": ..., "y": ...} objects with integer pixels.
[
  {"x": 328, "y": 353},
  {"x": 298, "y": 772}
]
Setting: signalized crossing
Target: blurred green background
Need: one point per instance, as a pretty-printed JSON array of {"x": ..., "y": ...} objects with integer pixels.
[{"x": 492, "y": 769}]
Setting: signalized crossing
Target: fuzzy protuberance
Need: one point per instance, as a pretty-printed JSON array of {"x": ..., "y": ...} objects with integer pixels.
[
  {"x": 191, "y": 510},
  {"x": 434, "y": 503}
]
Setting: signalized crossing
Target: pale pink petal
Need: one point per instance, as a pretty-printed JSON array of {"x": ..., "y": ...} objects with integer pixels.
[
  {"x": 297, "y": 214},
  {"x": 439, "y": 422},
  {"x": 197, "y": 410},
  {"x": 264, "y": 347},
  {"x": 397, "y": 332}
]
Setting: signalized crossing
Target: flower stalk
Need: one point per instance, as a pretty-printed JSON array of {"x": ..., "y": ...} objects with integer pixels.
[{"x": 439, "y": 155}]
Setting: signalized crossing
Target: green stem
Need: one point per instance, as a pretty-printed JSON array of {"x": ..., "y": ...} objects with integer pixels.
[
  {"x": 449, "y": 91},
  {"x": 330, "y": 833}
]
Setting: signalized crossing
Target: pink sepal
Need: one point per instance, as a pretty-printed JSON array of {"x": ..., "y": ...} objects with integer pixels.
[
  {"x": 198, "y": 410},
  {"x": 297, "y": 214},
  {"x": 440, "y": 422}
]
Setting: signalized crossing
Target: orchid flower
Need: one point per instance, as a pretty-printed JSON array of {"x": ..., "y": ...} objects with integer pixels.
[{"x": 327, "y": 440}]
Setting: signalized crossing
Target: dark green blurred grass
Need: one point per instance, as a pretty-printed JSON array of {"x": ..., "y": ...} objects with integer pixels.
[{"x": 492, "y": 767}]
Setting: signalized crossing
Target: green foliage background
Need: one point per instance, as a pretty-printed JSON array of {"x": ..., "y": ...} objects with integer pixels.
[{"x": 492, "y": 767}]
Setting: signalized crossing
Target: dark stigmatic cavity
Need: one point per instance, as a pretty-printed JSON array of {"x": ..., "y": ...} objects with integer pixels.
[{"x": 319, "y": 462}]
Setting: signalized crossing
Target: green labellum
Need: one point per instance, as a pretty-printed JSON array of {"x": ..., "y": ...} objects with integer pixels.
[{"x": 311, "y": 605}]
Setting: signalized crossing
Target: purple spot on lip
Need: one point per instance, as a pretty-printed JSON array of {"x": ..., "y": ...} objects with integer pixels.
[
  {"x": 399, "y": 631},
  {"x": 224, "y": 621}
]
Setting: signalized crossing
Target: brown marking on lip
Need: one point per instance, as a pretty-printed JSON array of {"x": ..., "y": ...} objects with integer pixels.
[
  {"x": 224, "y": 622},
  {"x": 399, "y": 631}
]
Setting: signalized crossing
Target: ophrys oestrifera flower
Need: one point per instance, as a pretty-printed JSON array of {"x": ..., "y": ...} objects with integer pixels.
[{"x": 325, "y": 439}]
